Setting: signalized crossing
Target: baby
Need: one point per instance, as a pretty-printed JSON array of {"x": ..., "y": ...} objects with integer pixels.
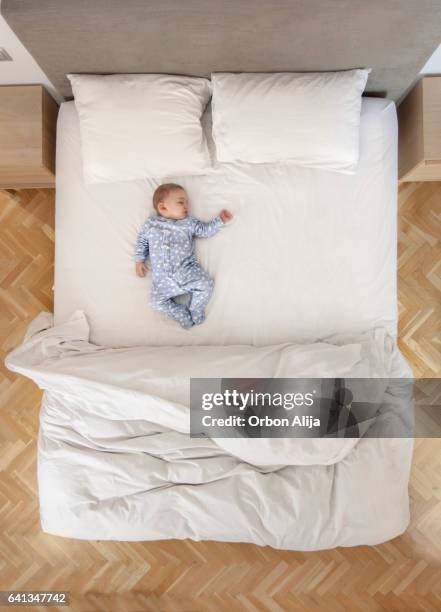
[{"x": 168, "y": 239}]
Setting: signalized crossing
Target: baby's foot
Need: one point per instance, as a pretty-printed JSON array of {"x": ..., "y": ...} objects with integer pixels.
[
  {"x": 184, "y": 319},
  {"x": 198, "y": 317}
]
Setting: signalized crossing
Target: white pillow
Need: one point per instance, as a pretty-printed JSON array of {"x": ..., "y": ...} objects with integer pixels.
[
  {"x": 141, "y": 125},
  {"x": 309, "y": 119}
]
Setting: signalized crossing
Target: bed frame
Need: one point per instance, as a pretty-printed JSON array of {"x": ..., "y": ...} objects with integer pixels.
[{"x": 197, "y": 37}]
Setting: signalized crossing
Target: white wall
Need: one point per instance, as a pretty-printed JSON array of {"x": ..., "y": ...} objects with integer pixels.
[
  {"x": 23, "y": 69},
  {"x": 433, "y": 65}
]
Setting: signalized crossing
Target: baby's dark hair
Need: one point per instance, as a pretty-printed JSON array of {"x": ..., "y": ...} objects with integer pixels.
[{"x": 162, "y": 192}]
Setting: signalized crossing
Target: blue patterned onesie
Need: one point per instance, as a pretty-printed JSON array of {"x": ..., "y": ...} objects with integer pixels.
[{"x": 175, "y": 269}]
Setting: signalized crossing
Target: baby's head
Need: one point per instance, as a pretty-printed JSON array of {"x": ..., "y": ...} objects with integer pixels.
[{"x": 170, "y": 201}]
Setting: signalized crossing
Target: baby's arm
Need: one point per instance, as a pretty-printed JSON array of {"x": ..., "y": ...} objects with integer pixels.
[
  {"x": 141, "y": 252},
  {"x": 206, "y": 230}
]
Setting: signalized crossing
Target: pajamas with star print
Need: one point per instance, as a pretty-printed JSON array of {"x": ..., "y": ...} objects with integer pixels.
[{"x": 175, "y": 270}]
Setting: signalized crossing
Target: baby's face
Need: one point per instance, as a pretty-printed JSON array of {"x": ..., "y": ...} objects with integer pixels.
[{"x": 175, "y": 205}]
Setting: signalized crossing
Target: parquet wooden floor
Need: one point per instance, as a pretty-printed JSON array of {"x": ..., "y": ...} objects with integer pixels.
[{"x": 401, "y": 575}]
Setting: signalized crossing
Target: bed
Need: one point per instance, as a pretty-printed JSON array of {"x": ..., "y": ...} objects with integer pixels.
[
  {"x": 115, "y": 457},
  {"x": 305, "y": 286}
]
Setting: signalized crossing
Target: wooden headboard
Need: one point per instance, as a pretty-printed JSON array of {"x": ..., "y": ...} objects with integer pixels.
[{"x": 197, "y": 37}]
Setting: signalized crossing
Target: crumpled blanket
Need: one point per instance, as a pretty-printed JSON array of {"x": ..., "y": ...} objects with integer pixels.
[{"x": 116, "y": 460}]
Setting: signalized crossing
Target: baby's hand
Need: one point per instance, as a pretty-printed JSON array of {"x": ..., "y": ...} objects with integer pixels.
[
  {"x": 225, "y": 215},
  {"x": 141, "y": 268}
]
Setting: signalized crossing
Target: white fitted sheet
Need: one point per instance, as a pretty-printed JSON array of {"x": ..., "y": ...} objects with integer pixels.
[{"x": 310, "y": 253}]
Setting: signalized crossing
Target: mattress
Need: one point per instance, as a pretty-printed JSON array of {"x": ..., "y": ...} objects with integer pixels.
[{"x": 309, "y": 253}]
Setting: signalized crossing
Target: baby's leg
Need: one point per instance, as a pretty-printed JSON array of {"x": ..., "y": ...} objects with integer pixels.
[
  {"x": 200, "y": 290},
  {"x": 167, "y": 305}
]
